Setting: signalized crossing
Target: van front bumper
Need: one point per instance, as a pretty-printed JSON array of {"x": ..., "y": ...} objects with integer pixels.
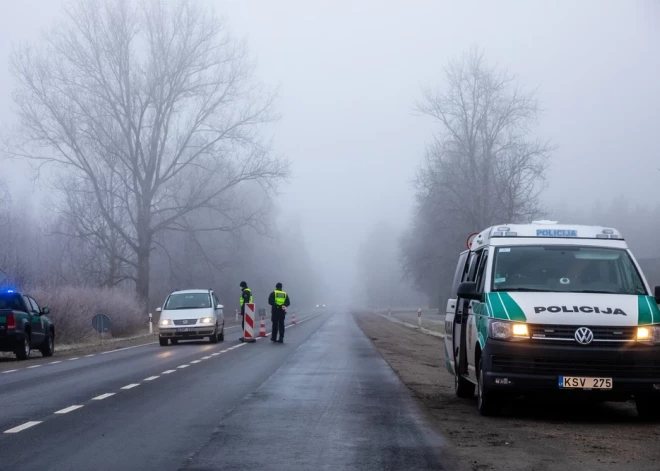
[
  {"x": 526, "y": 368},
  {"x": 192, "y": 333}
]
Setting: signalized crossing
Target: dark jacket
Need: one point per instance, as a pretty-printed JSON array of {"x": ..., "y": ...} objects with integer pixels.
[{"x": 275, "y": 309}]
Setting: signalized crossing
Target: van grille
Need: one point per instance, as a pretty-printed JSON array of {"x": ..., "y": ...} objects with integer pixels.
[
  {"x": 567, "y": 333},
  {"x": 573, "y": 366},
  {"x": 185, "y": 322}
]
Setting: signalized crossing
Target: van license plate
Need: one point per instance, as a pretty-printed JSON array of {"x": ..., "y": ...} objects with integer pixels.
[
  {"x": 579, "y": 382},
  {"x": 183, "y": 329}
]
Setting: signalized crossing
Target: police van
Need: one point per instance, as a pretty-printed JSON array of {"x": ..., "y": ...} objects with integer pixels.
[{"x": 544, "y": 307}]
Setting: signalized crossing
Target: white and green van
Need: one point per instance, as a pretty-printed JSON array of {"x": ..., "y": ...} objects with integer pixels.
[{"x": 543, "y": 307}]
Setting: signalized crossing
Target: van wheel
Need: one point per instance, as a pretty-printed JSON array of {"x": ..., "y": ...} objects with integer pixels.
[
  {"x": 174, "y": 341},
  {"x": 214, "y": 337},
  {"x": 488, "y": 402},
  {"x": 221, "y": 337},
  {"x": 648, "y": 408},
  {"x": 163, "y": 341},
  {"x": 463, "y": 387}
]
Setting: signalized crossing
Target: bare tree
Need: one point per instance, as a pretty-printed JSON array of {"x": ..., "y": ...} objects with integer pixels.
[
  {"x": 154, "y": 107},
  {"x": 482, "y": 168}
]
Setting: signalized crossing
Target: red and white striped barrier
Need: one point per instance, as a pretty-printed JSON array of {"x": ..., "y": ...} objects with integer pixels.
[
  {"x": 293, "y": 318},
  {"x": 248, "y": 334},
  {"x": 262, "y": 327}
]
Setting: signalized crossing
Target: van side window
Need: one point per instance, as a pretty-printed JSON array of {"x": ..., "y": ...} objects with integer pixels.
[
  {"x": 481, "y": 272},
  {"x": 472, "y": 268},
  {"x": 460, "y": 270}
]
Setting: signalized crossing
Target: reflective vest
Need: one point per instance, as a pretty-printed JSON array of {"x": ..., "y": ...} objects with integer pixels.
[
  {"x": 242, "y": 301},
  {"x": 280, "y": 298}
]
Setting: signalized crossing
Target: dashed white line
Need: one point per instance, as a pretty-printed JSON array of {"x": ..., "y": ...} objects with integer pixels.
[
  {"x": 8, "y": 371},
  {"x": 131, "y": 386},
  {"x": 195, "y": 361},
  {"x": 55, "y": 362},
  {"x": 218, "y": 353},
  {"x": 151, "y": 378},
  {"x": 90, "y": 356},
  {"x": 20, "y": 428},
  {"x": 102, "y": 396},
  {"x": 68, "y": 409},
  {"x": 34, "y": 366},
  {"x": 168, "y": 372},
  {"x": 183, "y": 366},
  {"x": 206, "y": 358},
  {"x": 76, "y": 358}
]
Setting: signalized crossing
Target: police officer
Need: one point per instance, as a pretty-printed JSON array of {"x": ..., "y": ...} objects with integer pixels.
[
  {"x": 246, "y": 297},
  {"x": 279, "y": 301}
]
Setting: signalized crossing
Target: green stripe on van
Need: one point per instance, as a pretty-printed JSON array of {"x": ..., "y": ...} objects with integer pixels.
[
  {"x": 502, "y": 306},
  {"x": 648, "y": 310}
]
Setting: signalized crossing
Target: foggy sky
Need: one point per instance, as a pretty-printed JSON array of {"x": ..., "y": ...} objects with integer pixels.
[{"x": 349, "y": 73}]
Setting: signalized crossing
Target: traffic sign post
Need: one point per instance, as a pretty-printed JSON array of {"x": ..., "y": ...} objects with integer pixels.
[
  {"x": 248, "y": 332},
  {"x": 419, "y": 318},
  {"x": 102, "y": 323}
]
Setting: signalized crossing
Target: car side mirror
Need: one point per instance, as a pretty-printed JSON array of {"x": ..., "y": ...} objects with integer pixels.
[
  {"x": 468, "y": 290},
  {"x": 657, "y": 294},
  {"x": 158, "y": 309},
  {"x": 219, "y": 306},
  {"x": 45, "y": 311}
]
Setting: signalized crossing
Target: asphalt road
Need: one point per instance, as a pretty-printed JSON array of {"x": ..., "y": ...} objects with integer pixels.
[{"x": 324, "y": 399}]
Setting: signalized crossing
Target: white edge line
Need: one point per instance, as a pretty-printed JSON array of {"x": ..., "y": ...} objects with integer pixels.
[
  {"x": 102, "y": 396},
  {"x": 128, "y": 348},
  {"x": 68, "y": 409},
  {"x": 8, "y": 371},
  {"x": 20, "y": 428}
]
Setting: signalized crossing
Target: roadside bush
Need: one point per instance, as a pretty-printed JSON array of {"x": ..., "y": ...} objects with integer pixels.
[{"x": 72, "y": 309}]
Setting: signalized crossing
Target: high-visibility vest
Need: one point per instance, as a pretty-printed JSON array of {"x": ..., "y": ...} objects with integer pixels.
[
  {"x": 280, "y": 298},
  {"x": 242, "y": 301}
]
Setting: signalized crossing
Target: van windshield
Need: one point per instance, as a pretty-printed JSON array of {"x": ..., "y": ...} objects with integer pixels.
[
  {"x": 572, "y": 269},
  {"x": 188, "y": 301}
]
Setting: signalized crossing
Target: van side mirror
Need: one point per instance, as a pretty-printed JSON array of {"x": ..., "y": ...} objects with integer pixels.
[
  {"x": 468, "y": 290},
  {"x": 657, "y": 294},
  {"x": 159, "y": 309},
  {"x": 219, "y": 306}
]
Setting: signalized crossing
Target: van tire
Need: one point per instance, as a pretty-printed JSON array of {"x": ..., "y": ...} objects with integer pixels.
[
  {"x": 648, "y": 408},
  {"x": 463, "y": 388},
  {"x": 214, "y": 337},
  {"x": 488, "y": 402},
  {"x": 163, "y": 341},
  {"x": 221, "y": 337}
]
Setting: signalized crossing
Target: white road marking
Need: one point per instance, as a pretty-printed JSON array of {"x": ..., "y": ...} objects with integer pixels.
[
  {"x": 206, "y": 358},
  {"x": 151, "y": 378},
  {"x": 8, "y": 371},
  {"x": 76, "y": 358},
  {"x": 20, "y": 428},
  {"x": 55, "y": 362},
  {"x": 195, "y": 361},
  {"x": 131, "y": 386},
  {"x": 128, "y": 348},
  {"x": 168, "y": 372},
  {"x": 217, "y": 353},
  {"x": 34, "y": 366},
  {"x": 68, "y": 409},
  {"x": 89, "y": 356},
  {"x": 102, "y": 396},
  {"x": 183, "y": 366}
]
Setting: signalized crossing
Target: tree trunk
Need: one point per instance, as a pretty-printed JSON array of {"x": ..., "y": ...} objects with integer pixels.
[{"x": 144, "y": 237}]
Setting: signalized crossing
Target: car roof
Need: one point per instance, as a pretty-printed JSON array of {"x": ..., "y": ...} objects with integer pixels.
[{"x": 191, "y": 291}]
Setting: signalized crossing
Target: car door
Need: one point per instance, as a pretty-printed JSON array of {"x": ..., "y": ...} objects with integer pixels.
[
  {"x": 36, "y": 322},
  {"x": 463, "y": 311},
  {"x": 475, "y": 312},
  {"x": 450, "y": 312},
  {"x": 219, "y": 313}
]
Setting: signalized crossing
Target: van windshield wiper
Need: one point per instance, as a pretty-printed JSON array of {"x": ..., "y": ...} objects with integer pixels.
[
  {"x": 527, "y": 289},
  {"x": 595, "y": 291}
]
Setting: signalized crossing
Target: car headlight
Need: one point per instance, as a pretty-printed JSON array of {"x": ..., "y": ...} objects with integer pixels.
[
  {"x": 165, "y": 322},
  {"x": 505, "y": 330},
  {"x": 649, "y": 334},
  {"x": 206, "y": 320}
]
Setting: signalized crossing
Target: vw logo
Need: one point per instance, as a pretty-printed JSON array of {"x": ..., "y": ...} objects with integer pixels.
[
  {"x": 185, "y": 322},
  {"x": 584, "y": 336}
]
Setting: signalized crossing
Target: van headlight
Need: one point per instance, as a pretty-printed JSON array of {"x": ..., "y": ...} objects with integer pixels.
[
  {"x": 206, "y": 320},
  {"x": 649, "y": 334},
  {"x": 165, "y": 322},
  {"x": 505, "y": 330}
]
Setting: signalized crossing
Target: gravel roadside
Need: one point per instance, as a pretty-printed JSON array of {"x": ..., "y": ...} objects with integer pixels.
[{"x": 528, "y": 436}]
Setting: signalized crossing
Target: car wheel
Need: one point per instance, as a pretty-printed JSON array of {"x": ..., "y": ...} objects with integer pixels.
[
  {"x": 48, "y": 347},
  {"x": 214, "y": 337},
  {"x": 23, "y": 350},
  {"x": 648, "y": 407},
  {"x": 462, "y": 387},
  {"x": 221, "y": 337},
  {"x": 163, "y": 341},
  {"x": 488, "y": 402}
]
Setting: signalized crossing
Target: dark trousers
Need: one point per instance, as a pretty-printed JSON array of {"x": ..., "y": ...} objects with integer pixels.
[{"x": 278, "y": 325}]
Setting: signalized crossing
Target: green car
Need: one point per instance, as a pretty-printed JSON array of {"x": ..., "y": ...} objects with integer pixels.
[{"x": 24, "y": 326}]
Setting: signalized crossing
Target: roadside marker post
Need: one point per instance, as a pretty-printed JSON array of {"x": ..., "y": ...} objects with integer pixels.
[
  {"x": 248, "y": 333},
  {"x": 419, "y": 317},
  {"x": 151, "y": 324}
]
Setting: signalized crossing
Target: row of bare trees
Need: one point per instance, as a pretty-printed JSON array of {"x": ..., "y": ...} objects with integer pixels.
[
  {"x": 150, "y": 124},
  {"x": 483, "y": 167}
]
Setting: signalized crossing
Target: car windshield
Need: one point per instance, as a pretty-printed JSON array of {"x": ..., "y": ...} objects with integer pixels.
[
  {"x": 11, "y": 301},
  {"x": 188, "y": 301},
  {"x": 572, "y": 269}
]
